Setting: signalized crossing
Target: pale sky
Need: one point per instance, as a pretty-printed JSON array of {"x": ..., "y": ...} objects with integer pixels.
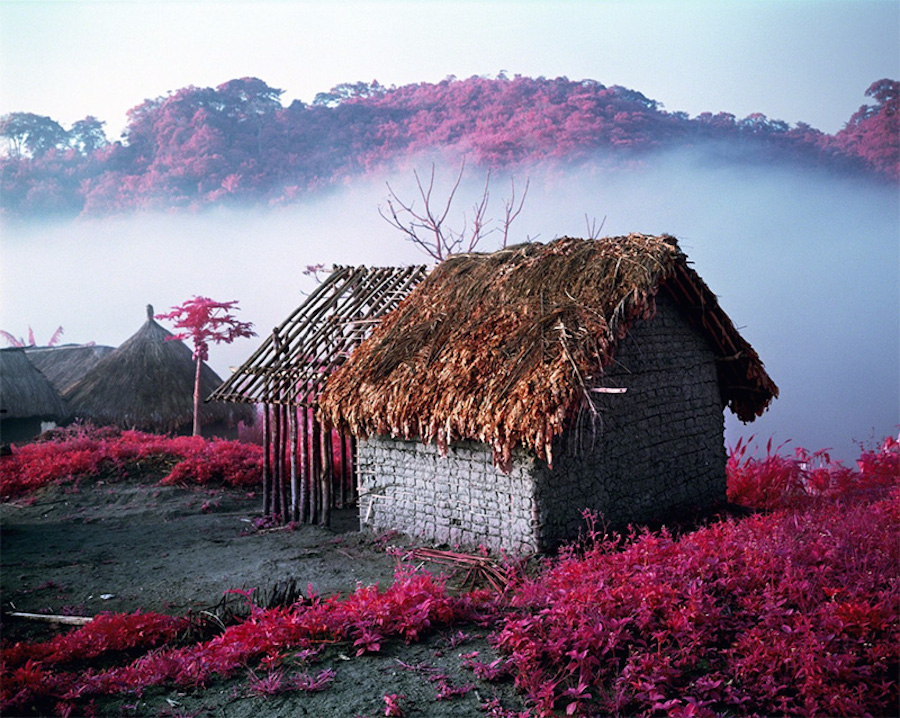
[{"x": 807, "y": 60}]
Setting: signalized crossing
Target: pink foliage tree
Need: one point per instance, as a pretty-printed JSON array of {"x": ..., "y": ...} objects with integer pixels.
[
  {"x": 203, "y": 320},
  {"x": 14, "y": 341}
]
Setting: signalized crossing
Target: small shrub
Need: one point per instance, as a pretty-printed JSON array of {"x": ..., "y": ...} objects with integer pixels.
[{"x": 83, "y": 452}]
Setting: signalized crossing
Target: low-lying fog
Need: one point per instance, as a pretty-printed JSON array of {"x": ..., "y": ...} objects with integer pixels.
[{"x": 805, "y": 264}]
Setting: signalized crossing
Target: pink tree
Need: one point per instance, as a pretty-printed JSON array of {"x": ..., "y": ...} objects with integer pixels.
[
  {"x": 19, "y": 342},
  {"x": 203, "y": 320}
]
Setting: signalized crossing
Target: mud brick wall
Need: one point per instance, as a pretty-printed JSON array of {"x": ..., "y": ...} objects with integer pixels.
[
  {"x": 654, "y": 450},
  {"x": 657, "y": 450},
  {"x": 459, "y": 499}
]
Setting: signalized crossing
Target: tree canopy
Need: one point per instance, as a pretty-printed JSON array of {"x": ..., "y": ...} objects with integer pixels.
[{"x": 236, "y": 142}]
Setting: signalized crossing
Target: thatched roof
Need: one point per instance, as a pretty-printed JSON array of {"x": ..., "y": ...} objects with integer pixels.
[
  {"x": 504, "y": 347},
  {"x": 65, "y": 364},
  {"x": 148, "y": 383},
  {"x": 292, "y": 363},
  {"x": 25, "y": 392}
]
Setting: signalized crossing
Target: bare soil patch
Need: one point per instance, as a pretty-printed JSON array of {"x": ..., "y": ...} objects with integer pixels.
[{"x": 125, "y": 546}]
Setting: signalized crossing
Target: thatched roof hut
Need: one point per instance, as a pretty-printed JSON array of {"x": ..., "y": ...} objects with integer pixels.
[
  {"x": 148, "y": 383},
  {"x": 509, "y": 392},
  {"x": 65, "y": 364},
  {"x": 27, "y": 398},
  {"x": 505, "y": 348}
]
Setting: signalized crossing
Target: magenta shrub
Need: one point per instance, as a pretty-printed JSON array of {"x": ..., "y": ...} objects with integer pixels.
[
  {"x": 202, "y": 146},
  {"x": 777, "y": 481},
  {"x": 82, "y": 452},
  {"x": 794, "y": 612},
  {"x": 412, "y": 606}
]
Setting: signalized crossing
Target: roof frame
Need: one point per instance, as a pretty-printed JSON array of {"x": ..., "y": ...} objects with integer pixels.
[{"x": 294, "y": 361}]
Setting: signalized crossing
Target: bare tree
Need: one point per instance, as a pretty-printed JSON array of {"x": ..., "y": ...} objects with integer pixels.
[{"x": 426, "y": 226}]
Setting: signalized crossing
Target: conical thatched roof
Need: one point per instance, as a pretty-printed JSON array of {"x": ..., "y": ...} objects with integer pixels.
[
  {"x": 63, "y": 365},
  {"x": 148, "y": 384},
  {"x": 504, "y": 347},
  {"x": 25, "y": 392}
]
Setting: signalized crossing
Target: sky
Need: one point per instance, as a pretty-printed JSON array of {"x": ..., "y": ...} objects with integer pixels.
[
  {"x": 807, "y": 60},
  {"x": 805, "y": 265}
]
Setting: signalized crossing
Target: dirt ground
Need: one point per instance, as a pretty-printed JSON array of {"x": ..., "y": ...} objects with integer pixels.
[{"x": 128, "y": 546}]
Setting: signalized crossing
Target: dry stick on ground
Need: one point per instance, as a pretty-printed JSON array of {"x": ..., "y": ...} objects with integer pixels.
[
  {"x": 52, "y": 618},
  {"x": 476, "y": 566}
]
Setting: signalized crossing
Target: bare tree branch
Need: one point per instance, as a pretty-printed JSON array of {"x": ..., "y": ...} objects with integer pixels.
[
  {"x": 592, "y": 228},
  {"x": 426, "y": 227},
  {"x": 511, "y": 210}
]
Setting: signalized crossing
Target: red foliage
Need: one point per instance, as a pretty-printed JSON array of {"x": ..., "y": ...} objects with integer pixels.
[
  {"x": 30, "y": 671},
  {"x": 796, "y": 612},
  {"x": 414, "y": 604},
  {"x": 230, "y": 463},
  {"x": 791, "y": 612},
  {"x": 392, "y": 705},
  {"x": 203, "y": 320},
  {"x": 777, "y": 481},
  {"x": 201, "y": 146},
  {"x": 84, "y": 452},
  {"x": 873, "y": 132},
  {"x": 108, "y": 632}
]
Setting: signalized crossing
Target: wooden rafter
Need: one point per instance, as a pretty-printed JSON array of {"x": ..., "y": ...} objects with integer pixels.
[{"x": 293, "y": 362}]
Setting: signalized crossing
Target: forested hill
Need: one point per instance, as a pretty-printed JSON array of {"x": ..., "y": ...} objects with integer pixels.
[{"x": 238, "y": 143}]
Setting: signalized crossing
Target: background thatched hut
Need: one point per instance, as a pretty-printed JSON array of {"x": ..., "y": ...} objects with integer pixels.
[
  {"x": 65, "y": 364},
  {"x": 28, "y": 402},
  {"x": 511, "y": 391},
  {"x": 148, "y": 384}
]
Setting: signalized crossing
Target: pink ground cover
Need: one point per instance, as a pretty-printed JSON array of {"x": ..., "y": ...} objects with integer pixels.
[
  {"x": 416, "y": 603},
  {"x": 82, "y": 452},
  {"x": 794, "y": 610},
  {"x": 791, "y": 612}
]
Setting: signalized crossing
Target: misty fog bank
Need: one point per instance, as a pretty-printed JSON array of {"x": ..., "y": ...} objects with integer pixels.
[{"x": 805, "y": 264}]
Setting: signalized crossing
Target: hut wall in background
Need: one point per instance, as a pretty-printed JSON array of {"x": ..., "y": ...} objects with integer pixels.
[
  {"x": 653, "y": 451},
  {"x": 23, "y": 430},
  {"x": 28, "y": 402}
]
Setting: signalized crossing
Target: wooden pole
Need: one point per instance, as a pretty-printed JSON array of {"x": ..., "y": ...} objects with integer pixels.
[
  {"x": 267, "y": 463},
  {"x": 345, "y": 470},
  {"x": 315, "y": 456},
  {"x": 295, "y": 484},
  {"x": 285, "y": 478},
  {"x": 304, "y": 464},
  {"x": 277, "y": 456},
  {"x": 326, "y": 478}
]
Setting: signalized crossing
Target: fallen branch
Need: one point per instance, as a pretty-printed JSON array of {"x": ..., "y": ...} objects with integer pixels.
[
  {"x": 477, "y": 566},
  {"x": 52, "y": 618}
]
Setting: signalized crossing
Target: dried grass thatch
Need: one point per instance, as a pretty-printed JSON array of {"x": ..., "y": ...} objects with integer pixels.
[
  {"x": 25, "y": 392},
  {"x": 148, "y": 384},
  {"x": 505, "y": 347},
  {"x": 64, "y": 365}
]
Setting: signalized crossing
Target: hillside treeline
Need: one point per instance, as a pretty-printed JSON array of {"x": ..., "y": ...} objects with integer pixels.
[{"x": 237, "y": 143}]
